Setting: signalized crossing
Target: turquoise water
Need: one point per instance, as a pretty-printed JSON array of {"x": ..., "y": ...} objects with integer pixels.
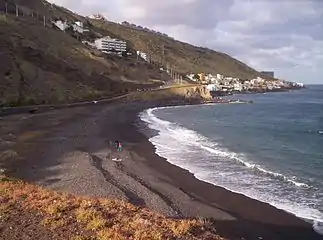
[{"x": 271, "y": 150}]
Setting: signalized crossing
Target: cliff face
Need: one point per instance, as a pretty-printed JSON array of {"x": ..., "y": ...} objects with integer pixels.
[{"x": 192, "y": 92}]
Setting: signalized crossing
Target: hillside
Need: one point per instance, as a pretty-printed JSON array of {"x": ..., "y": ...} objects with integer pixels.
[
  {"x": 44, "y": 65},
  {"x": 184, "y": 57}
]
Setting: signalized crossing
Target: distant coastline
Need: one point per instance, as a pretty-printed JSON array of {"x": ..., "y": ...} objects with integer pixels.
[{"x": 255, "y": 91}]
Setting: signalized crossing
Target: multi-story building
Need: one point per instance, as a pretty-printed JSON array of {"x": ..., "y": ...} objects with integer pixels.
[
  {"x": 111, "y": 45},
  {"x": 269, "y": 74}
]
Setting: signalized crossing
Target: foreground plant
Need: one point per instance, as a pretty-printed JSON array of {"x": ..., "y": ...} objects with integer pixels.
[{"x": 29, "y": 210}]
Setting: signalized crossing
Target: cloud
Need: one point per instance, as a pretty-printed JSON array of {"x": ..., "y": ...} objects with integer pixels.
[{"x": 285, "y": 36}]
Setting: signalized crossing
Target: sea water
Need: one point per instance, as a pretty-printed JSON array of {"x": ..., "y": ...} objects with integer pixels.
[{"x": 271, "y": 150}]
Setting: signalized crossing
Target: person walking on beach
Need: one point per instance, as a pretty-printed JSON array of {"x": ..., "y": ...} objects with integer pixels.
[{"x": 119, "y": 147}]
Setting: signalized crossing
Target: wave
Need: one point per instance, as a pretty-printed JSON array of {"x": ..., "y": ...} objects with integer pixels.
[
  {"x": 194, "y": 138},
  {"x": 255, "y": 167},
  {"x": 174, "y": 141}
]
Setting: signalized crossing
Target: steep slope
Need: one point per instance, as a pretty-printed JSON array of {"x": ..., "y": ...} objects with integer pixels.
[
  {"x": 182, "y": 57},
  {"x": 42, "y": 65}
]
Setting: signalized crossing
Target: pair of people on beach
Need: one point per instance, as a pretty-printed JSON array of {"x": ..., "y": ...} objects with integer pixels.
[{"x": 118, "y": 145}]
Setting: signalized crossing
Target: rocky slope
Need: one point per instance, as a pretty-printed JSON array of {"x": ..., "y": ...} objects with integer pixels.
[
  {"x": 41, "y": 65},
  {"x": 182, "y": 57},
  {"x": 181, "y": 94}
]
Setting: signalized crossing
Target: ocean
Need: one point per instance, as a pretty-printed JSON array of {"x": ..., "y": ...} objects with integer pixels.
[{"x": 270, "y": 150}]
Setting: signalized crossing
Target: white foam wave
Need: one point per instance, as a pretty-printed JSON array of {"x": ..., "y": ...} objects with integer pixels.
[
  {"x": 193, "y": 138},
  {"x": 254, "y": 166},
  {"x": 174, "y": 140}
]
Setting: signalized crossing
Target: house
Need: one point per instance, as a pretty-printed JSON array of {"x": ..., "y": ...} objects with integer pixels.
[
  {"x": 219, "y": 76},
  {"x": 202, "y": 77},
  {"x": 191, "y": 76},
  {"x": 212, "y": 87},
  {"x": 97, "y": 17},
  {"x": 143, "y": 55},
  {"x": 61, "y": 25},
  {"x": 237, "y": 87},
  {"x": 215, "y": 80},
  {"x": 110, "y": 45},
  {"x": 78, "y": 27}
]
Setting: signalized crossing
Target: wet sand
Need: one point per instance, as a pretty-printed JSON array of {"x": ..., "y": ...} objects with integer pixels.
[{"x": 69, "y": 150}]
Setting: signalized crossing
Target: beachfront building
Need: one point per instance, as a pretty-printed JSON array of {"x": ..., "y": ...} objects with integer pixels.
[
  {"x": 202, "y": 77},
  {"x": 111, "y": 45},
  {"x": 237, "y": 87},
  {"x": 212, "y": 87}
]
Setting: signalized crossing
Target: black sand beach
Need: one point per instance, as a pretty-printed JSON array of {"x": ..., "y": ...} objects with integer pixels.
[{"x": 68, "y": 150}]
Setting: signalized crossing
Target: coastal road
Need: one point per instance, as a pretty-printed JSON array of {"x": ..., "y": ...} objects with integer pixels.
[
  {"x": 43, "y": 108},
  {"x": 48, "y": 107}
]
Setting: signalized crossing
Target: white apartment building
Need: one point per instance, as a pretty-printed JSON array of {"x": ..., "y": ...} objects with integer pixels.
[{"x": 110, "y": 45}]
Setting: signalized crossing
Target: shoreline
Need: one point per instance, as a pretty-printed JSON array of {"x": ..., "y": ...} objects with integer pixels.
[
  {"x": 201, "y": 179},
  {"x": 236, "y": 194},
  {"x": 143, "y": 178}
]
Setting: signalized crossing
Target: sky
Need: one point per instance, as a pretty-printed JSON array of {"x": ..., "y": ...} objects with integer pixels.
[{"x": 285, "y": 36}]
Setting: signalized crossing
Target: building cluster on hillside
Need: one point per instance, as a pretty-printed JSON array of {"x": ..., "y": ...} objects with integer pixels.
[
  {"x": 218, "y": 82},
  {"x": 105, "y": 44},
  {"x": 76, "y": 26}
]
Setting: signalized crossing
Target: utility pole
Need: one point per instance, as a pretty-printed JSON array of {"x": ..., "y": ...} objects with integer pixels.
[
  {"x": 17, "y": 11},
  {"x": 163, "y": 55},
  {"x": 6, "y": 8}
]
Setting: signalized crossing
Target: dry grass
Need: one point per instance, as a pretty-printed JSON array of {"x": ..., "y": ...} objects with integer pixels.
[{"x": 102, "y": 219}]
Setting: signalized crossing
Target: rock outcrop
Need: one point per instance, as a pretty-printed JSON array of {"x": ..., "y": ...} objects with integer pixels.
[
  {"x": 180, "y": 94},
  {"x": 199, "y": 92}
]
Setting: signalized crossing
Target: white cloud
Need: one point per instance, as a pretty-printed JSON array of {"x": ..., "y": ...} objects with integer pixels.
[{"x": 285, "y": 36}]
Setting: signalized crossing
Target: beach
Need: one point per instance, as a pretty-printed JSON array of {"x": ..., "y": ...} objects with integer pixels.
[{"x": 69, "y": 150}]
